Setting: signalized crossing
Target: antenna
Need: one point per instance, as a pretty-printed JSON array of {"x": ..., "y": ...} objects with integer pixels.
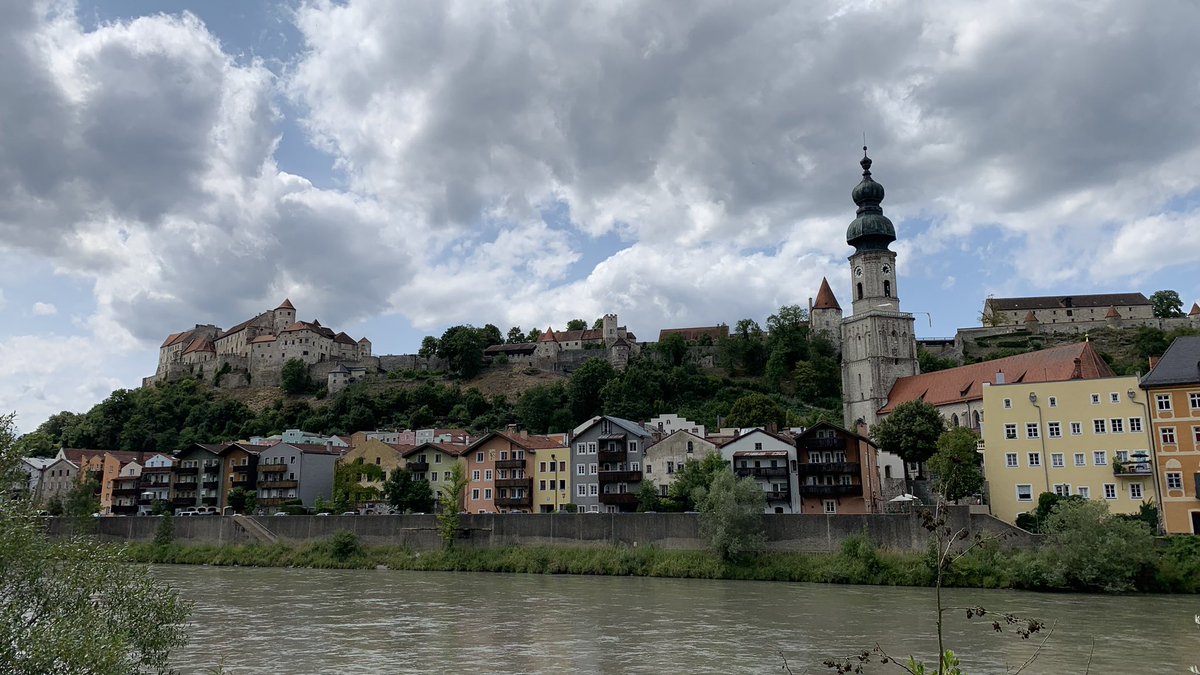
[{"x": 864, "y": 143}]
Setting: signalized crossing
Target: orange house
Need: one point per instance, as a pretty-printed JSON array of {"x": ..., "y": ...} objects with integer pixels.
[
  {"x": 1173, "y": 391},
  {"x": 499, "y": 468},
  {"x": 838, "y": 471}
]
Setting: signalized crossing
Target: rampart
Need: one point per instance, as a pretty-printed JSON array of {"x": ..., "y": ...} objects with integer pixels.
[{"x": 681, "y": 531}]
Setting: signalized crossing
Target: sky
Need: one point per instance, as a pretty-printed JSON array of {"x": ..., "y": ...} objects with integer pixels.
[{"x": 396, "y": 168}]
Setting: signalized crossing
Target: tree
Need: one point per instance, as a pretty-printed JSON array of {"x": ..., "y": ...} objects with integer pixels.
[
  {"x": 755, "y": 410},
  {"x": 1166, "y": 304},
  {"x": 543, "y": 408},
  {"x": 930, "y": 362},
  {"x": 648, "y": 499},
  {"x": 36, "y": 444},
  {"x": 407, "y": 494},
  {"x": 293, "y": 377},
  {"x": 956, "y": 466},
  {"x": 583, "y": 391},
  {"x": 348, "y": 491},
  {"x": 911, "y": 432},
  {"x": 747, "y": 328},
  {"x": 673, "y": 348},
  {"x": 429, "y": 347},
  {"x": 242, "y": 500},
  {"x": 577, "y": 324},
  {"x": 788, "y": 318},
  {"x": 83, "y": 499},
  {"x": 731, "y": 515},
  {"x": 72, "y": 605},
  {"x": 694, "y": 475},
  {"x": 1091, "y": 550},
  {"x": 450, "y": 504},
  {"x": 515, "y": 336},
  {"x": 164, "y": 534},
  {"x": 533, "y": 335},
  {"x": 992, "y": 318},
  {"x": 462, "y": 347}
]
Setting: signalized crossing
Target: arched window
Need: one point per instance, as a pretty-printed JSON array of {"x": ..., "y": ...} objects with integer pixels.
[
  {"x": 860, "y": 295},
  {"x": 887, "y": 289},
  {"x": 975, "y": 420},
  {"x": 689, "y": 446},
  {"x": 954, "y": 419}
]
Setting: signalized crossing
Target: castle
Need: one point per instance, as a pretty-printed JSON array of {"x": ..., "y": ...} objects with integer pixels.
[
  {"x": 566, "y": 350},
  {"x": 256, "y": 349}
]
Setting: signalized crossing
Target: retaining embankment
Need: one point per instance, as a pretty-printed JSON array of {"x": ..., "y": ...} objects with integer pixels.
[{"x": 679, "y": 531}]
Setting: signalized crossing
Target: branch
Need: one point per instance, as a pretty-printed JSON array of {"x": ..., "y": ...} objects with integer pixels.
[
  {"x": 887, "y": 658},
  {"x": 1091, "y": 653},
  {"x": 1038, "y": 651}
]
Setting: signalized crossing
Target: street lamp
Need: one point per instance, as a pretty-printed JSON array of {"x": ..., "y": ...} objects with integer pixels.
[{"x": 554, "y": 487}]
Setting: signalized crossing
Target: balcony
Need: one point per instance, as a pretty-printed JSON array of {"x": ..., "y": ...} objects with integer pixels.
[
  {"x": 272, "y": 468},
  {"x": 828, "y": 467},
  {"x": 761, "y": 471},
  {"x": 124, "y": 509},
  {"x": 208, "y": 501},
  {"x": 418, "y": 467},
  {"x": 272, "y": 501},
  {"x": 510, "y": 464},
  {"x": 831, "y": 490},
  {"x": 211, "y": 484},
  {"x": 612, "y": 456},
  {"x": 619, "y": 498},
  {"x": 126, "y": 492},
  {"x": 1132, "y": 469},
  {"x": 270, "y": 484},
  {"x": 526, "y": 483},
  {"x": 525, "y": 501},
  {"x": 775, "y": 496},
  {"x": 620, "y": 476},
  {"x": 183, "y": 501},
  {"x": 241, "y": 482},
  {"x": 146, "y": 501},
  {"x": 822, "y": 443},
  {"x": 187, "y": 470}
]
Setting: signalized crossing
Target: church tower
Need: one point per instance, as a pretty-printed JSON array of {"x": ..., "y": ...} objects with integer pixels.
[{"x": 878, "y": 344}]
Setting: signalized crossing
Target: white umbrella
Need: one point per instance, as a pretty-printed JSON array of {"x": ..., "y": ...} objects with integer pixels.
[{"x": 904, "y": 498}]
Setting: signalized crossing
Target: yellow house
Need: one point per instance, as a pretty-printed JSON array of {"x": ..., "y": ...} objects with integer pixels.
[
  {"x": 1173, "y": 390},
  {"x": 551, "y": 476},
  {"x": 433, "y": 462},
  {"x": 1078, "y": 437}
]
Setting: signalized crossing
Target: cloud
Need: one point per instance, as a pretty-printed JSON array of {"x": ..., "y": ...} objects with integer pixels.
[{"x": 44, "y": 309}]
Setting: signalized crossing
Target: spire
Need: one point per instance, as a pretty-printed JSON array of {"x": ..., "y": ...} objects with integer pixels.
[
  {"x": 871, "y": 229},
  {"x": 1195, "y": 309},
  {"x": 286, "y": 304},
  {"x": 825, "y": 297}
]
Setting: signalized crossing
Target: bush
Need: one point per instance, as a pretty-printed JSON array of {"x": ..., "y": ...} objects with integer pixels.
[
  {"x": 164, "y": 534},
  {"x": 344, "y": 546},
  {"x": 1090, "y": 550}
]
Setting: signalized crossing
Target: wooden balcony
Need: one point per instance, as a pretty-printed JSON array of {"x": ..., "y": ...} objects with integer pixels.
[
  {"x": 831, "y": 490},
  {"x": 277, "y": 484},
  {"x": 775, "y": 496},
  {"x": 620, "y": 476},
  {"x": 526, "y": 483},
  {"x": 124, "y": 509},
  {"x": 208, "y": 501},
  {"x": 813, "y": 469},
  {"x": 418, "y": 467},
  {"x": 619, "y": 498},
  {"x": 510, "y": 464},
  {"x": 187, "y": 470},
  {"x": 525, "y": 501},
  {"x": 272, "y": 468},
  {"x": 761, "y": 471},
  {"x": 126, "y": 492},
  {"x": 821, "y": 443},
  {"x": 211, "y": 484},
  {"x": 612, "y": 456},
  {"x": 183, "y": 501}
]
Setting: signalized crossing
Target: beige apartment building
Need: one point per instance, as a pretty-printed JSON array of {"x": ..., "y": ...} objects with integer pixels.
[{"x": 1077, "y": 437}]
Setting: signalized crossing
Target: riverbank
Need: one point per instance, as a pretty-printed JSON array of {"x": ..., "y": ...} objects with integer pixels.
[{"x": 858, "y": 562}]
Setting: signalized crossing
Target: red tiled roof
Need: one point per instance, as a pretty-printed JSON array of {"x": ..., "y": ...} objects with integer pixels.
[
  {"x": 1069, "y": 362},
  {"x": 171, "y": 339},
  {"x": 202, "y": 345},
  {"x": 1112, "y": 313},
  {"x": 1195, "y": 309},
  {"x": 1059, "y": 302},
  {"x": 1031, "y": 317},
  {"x": 263, "y": 338},
  {"x": 825, "y": 297},
  {"x": 242, "y": 326},
  {"x": 286, "y": 304},
  {"x": 342, "y": 338},
  {"x": 548, "y": 336},
  {"x": 451, "y": 449}
]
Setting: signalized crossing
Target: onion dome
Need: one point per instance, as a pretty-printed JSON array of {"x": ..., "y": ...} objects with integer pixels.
[{"x": 871, "y": 230}]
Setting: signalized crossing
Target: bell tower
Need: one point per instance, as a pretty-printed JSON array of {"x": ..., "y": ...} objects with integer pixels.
[{"x": 878, "y": 344}]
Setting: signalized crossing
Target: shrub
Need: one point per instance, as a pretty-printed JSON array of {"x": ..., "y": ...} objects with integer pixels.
[{"x": 344, "y": 546}]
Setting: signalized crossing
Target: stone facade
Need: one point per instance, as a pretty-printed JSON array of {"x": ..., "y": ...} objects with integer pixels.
[{"x": 665, "y": 458}]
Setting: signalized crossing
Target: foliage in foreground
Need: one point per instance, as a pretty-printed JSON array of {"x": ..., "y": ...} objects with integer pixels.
[{"x": 73, "y": 605}]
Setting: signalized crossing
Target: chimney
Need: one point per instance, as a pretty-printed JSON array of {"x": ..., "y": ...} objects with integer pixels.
[
  {"x": 524, "y": 433},
  {"x": 329, "y": 445},
  {"x": 510, "y": 429},
  {"x": 999, "y": 377},
  {"x": 1078, "y": 372},
  {"x": 1153, "y": 360}
]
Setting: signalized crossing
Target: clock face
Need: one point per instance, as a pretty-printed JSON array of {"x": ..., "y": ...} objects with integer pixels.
[
  {"x": 886, "y": 269},
  {"x": 858, "y": 271}
]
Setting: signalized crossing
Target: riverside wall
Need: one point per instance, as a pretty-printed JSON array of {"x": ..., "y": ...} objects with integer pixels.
[{"x": 785, "y": 532}]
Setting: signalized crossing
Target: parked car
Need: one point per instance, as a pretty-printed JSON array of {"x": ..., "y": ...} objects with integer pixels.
[
  {"x": 279, "y": 513},
  {"x": 350, "y": 513},
  {"x": 324, "y": 513}
]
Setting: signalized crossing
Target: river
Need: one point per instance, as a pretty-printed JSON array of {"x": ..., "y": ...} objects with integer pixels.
[{"x": 263, "y": 620}]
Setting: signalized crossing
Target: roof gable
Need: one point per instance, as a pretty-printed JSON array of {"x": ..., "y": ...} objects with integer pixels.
[{"x": 1180, "y": 364}]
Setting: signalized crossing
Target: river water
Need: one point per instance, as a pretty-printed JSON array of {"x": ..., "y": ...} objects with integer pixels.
[{"x": 261, "y": 620}]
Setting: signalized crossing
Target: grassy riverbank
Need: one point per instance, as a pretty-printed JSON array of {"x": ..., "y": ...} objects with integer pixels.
[{"x": 858, "y": 562}]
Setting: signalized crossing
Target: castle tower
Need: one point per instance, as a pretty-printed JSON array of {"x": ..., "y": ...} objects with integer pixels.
[
  {"x": 825, "y": 314},
  {"x": 878, "y": 342},
  {"x": 285, "y": 315},
  {"x": 610, "y": 329}
]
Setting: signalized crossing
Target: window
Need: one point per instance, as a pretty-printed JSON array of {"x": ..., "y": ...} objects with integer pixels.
[
  {"x": 1052, "y": 401},
  {"x": 670, "y": 468},
  {"x": 437, "y": 459},
  {"x": 634, "y": 466},
  {"x": 487, "y": 493},
  {"x": 1054, "y": 429},
  {"x": 830, "y": 506},
  {"x": 1031, "y": 430},
  {"x": 475, "y": 474},
  {"x": 592, "y": 469},
  {"x": 475, "y": 493},
  {"x": 581, "y": 490},
  {"x": 1110, "y": 490},
  {"x": 1167, "y": 434},
  {"x": 432, "y": 476},
  {"x": 758, "y": 446},
  {"x": 1084, "y": 491},
  {"x": 1056, "y": 460},
  {"x": 649, "y": 468},
  {"x": 1135, "y": 425},
  {"x": 591, "y": 448},
  {"x": 1035, "y": 459},
  {"x": 1117, "y": 425},
  {"x": 487, "y": 475},
  {"x": 1010, "y": 431},
  {"x": 1099, "y": 458},
  {"x": 1024, "y": 493},
  {"x": 1062, "y": 489},
  {"x": 445, "y": 475},
  {"x": 580, "y": 448},
  {"x": 1010, "y": 460},
  {"x": 581, "y": 469},
  {"x": 1196, "y": 436},
  {"x": 1121, "y": 456},
  {"x": 1162, "y": 402},
  {"x": 633, "y": 446},
  {"x": 1099, "y": 426},
  {"x": 592, "y": 489},
  {"x": 1095, "y": 399},
  {"x": 1135, "y": 490},
  {"x": 1008, "y": 403},
  {"x": 1194, "y": 400},
  {"x": 1174, "y": 480},
  {"x": 1114, "y": 397},
  {"x": 479, "y": 458},
  {"x": 542, "y": 467},
  {"x": 1080, "y": 459}
]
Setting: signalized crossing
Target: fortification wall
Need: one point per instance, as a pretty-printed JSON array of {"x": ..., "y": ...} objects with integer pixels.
[
  {"x": 390, "y": 362},
  {"x": 785, "y": 532}
]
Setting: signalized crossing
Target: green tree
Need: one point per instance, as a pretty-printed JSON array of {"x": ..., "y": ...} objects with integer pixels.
[
  {"x": 693, "y": 476},
  {"x": 1091, "y": 550},
  {"x": 407, "y": 494},
  {"x": 755, "y": 410},
  {"x": 731, "y": 515},
  {"x": 648, "y": 499},
  {"x": 911, "y": 432},
  {"x": 583, "y": 391},
  {"x": 242, "y": 500},
  {"x": 544, "y": 408},
  {"x": 429, "y": 347},
  {"x": 1166, "y": 304},
  {"x": 462, "y": 347},
  {"x": 164, "y": 534},
  {"x": 72, "y": 605},
  {"x": 577, "y": 324},
  {"x": 515, "y": 336},
  {"x": 673, "y": 349},
  {"x": 293, "y": 377},
  {"x": 36, "y": 444},
  {"x": 1150, "y": 341},
  {"x": 450, "y": 504},
  {"x": 83, "y": 499},
  {"x": 788, "y": 318},
  {"x": 956, "y": 466},
  {"x": 533, "y": 335},
  {"x": 349, "y": 493},
  {"x": 930, "y": 363}
]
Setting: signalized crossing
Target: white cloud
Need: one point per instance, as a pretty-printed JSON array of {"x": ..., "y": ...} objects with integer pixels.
[{"x": 44, "y": 309}]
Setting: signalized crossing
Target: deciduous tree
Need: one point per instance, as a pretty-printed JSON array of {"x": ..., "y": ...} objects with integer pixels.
[
  {"x": 450, "y": 504},
  {"x": 1166, "y": 304},
  {"x": 911, "y": 432},
  {"x": 755, "y": 410},
  {"x": 956, "y": 466},
  {"x": 731, "y": 515},
  {"x": 577, "y": 324},
  {"x": 293, "y": 377},
  {"x": 407, "y": 494}
]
